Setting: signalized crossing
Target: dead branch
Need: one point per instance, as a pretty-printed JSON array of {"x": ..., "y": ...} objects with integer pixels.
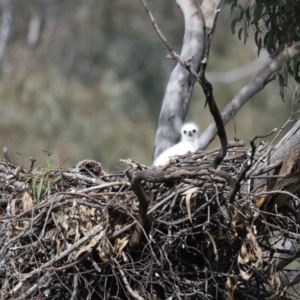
[
  {"x": 175, "y": 105},
  {"x": 78, "y": 243},
  {"x": 250, "y": 89}
]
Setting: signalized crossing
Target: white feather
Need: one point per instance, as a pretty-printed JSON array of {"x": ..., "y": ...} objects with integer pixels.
[{"x": 189, "y": 136}]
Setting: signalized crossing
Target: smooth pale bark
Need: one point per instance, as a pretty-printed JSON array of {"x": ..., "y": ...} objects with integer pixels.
[
  {"x": 281, "y": 260},
  {"x": 283, "y": 148},
  {"x": 180, "y": 85},
  {"x": 249, "y": 90},
  {"x": 286, "y": 145},
  {"x": 290, "y": 278},
  {"x": 5, "y": 25}
]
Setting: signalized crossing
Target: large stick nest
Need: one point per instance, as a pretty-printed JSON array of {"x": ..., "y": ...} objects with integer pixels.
[{"x": 77, "y": 234}]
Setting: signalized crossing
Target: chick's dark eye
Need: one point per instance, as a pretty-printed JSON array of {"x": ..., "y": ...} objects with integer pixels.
[
  {"x": 194, "y": 130},
  {"x": 184, "y": 131}
]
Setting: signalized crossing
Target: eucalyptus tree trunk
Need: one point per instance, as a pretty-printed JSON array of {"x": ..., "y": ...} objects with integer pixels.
[{"x": 181, "y": 83}]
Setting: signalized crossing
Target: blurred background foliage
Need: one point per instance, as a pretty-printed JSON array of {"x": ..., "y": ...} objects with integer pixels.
[{"x": 86, "y": 78}]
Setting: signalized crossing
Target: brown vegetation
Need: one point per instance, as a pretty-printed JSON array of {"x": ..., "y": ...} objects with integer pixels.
[{"x": 69, "y": 234}]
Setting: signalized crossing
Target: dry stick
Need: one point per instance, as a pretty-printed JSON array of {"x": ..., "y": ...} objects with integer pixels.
[
  {"x": 143, "y": 207},
  {"x": 206, "y": 86},
  {"x": 63, "y": 254},
  {"x": 86, "y": 178},
  {"x": 201, "y": 154},
  {"x": 44, "y": 281},
  {"x": 263, "y": 170},
  {"x": 32, "y": 164},
  {"x": 144, "y": 201},
  {"x": 288, "y": 121},
  {"x": 154, "y": 176},
  {"x": 251, "y": 88},
  {"x": 210, "y": 100},
  {"x": 59, "y": 230},
  {"x": 133, "y": 293},
  {"x": 268, "y": 153},
  {"x": 184, "y": 219},
  {"x": 102, "y": 186},
  {"x": 148, "y": 244},
  {"x": 50, "y": 201},
  {"x": 172, "y": 53},
  {"x": 75, "y": 286},
  {"x": 72, "y": 264},
  {"x": 247, "y": 168},
  {"x": 175, "y": 104},
  {"x": 213, "y": 244},
  {"x": 10, "y": 242},
  {"x": 274, "y": 192}
]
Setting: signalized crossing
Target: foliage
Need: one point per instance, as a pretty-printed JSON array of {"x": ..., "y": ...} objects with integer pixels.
[
  {"x": 42, "y": 181},
  {"x": 73, "y": 120},
  {"x": 276, "y": 25},
  {"x": 97, "y": 68}
]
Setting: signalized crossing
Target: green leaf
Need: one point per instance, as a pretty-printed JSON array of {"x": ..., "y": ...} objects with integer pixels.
[
  {"x": 233, "y": 22},
  {"x": 266, "y": 37},
  {"x": 257, "y": 14},
  {"x": 47, "y": 188},
  {"x": 285, "y": 74},
  {"x": 256, "y": 36},
  {"x": 49, "y": 162},
  {"x": 281, "y": 87},
  {"x": 270, "y": 44},
  {"x": 248, "y": 15},
  {"x": 57, "y": 178},
  {"x": 34, "y": 185},
  {"x": 259, "y": 46},
  {"x": 240, "y": 33},
  {"x": 245, "y": 30},
  {"x": 295, "y": 64},
  {"x": 39, "y": 190},
  {"x": 241, "y": 7}
]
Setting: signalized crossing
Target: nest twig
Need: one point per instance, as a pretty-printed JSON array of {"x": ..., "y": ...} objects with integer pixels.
[{"x": 72, "y": 234}]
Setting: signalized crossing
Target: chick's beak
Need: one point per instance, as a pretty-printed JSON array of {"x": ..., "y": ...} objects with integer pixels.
[{"x": 190, "y": 134}]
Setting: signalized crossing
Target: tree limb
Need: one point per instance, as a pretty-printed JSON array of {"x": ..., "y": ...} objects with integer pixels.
[
  {"x": 180, "y": 85},
  {"x": 283, "y": 149},
  {"x": 5, "y": 26},
  {"x": 144, "y": 202},
  {"x": 208, "y": 91},
  {"x": 291, "y": 279},
  {"x": 249, "y": 90},
  {"x": 181, "y": 82}
]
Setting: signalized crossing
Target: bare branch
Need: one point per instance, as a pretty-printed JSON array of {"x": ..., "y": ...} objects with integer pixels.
[
  {"x": 175, "y": 104},
  {"x": 289, "y": 278},
  {"x": 249, "y": 90},
  {"x": 283, "y": 148},
  {"x": 181, "y": 82},
  {"x": 144, "y": 202}
]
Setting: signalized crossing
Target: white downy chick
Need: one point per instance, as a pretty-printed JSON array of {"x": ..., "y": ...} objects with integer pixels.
[{"x": 189, "y": 135}]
